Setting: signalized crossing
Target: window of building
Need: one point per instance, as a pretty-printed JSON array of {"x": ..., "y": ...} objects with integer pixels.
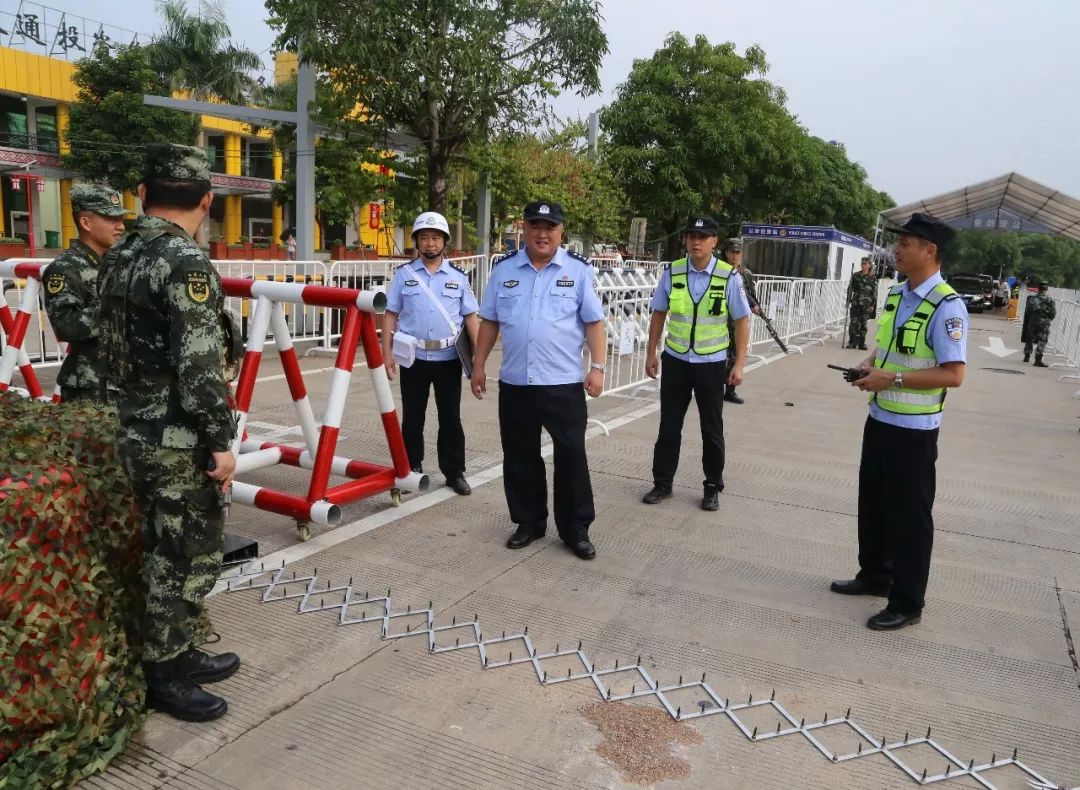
[
  {"x": 14, "y": 131},
  {"x": 47, "y": 139}
]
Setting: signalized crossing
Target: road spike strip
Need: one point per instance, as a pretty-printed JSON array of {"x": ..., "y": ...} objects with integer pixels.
[{"x": 269, "y": 580}]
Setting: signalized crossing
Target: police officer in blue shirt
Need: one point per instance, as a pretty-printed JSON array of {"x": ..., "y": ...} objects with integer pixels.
[
  {"x": 411, "y": 309},
  {"x": 543, "y": 300},
  {"x": 696, "y": 295},
  {"x": 921, "y": 352}
]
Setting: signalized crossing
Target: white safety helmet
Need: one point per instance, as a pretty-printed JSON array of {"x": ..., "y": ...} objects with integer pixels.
[{"x": 431, "y": 220}]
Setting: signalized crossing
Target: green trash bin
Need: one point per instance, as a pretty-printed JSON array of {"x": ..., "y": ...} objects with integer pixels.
[{"x": 52, "y": 239}]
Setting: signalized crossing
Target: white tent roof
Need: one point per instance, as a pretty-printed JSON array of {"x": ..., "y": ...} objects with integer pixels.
[{"x": 1056, "y": 211}]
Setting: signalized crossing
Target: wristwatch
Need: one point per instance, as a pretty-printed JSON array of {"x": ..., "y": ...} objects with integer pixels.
[
  {"x": 898, "y": 379},
  {"x": 598, "y": 366}
]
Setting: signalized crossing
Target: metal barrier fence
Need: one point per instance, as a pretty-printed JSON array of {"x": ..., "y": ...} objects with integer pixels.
[{"x": 802, "y": 311}]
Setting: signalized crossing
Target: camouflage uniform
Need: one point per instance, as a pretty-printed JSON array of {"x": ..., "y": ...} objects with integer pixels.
[
  {"x": 161, "y": 332},
  {"x": 862, "y": 299},
  {"x": 71, "y": 300},
  {"x": 1038, "y": 315}
]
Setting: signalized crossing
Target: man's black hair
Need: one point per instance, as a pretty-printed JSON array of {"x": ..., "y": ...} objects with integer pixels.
[{"x": 174, "y": 193}]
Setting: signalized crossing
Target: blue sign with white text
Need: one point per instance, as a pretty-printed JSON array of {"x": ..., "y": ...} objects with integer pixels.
[{"x": 803, "y": 233}]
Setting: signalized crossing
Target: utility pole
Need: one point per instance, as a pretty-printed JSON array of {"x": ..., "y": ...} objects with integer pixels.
[{"x": 594, "y": 147}]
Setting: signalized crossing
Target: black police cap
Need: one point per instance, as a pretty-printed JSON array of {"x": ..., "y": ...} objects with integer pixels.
[
  {"x": 929, "y": 227},
  {"x": 545, "y": 211},
  {"x": 706, "y": 226}
]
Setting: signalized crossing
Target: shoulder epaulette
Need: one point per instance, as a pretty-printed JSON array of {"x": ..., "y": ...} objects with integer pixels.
[
  {"x": 951, "y": 296},
  {"x": 667, "y": 265},
  {"x": 578, "y": 257},
  {"x": 457, "y": 268},
  {"x": 500, "y": 258}
]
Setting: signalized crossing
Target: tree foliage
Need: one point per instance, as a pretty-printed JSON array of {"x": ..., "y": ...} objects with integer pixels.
[
  {"x": 554, "y": 166},
  {"x": 347, "y": 175},
  {"x": 193, "y": 53},
  {"x": 109, "y": 122},
  {"x": 697, "y": 128},
  {"x": 448, "y": 72},
  {"x": 1039, "y": 256}
]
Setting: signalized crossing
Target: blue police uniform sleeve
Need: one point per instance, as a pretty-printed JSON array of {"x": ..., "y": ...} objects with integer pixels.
[
  {"x": 487, "y": 304},
  {"x": 738, "y": 306},
  {"x": 468, "y": 298},
  {"x": 662, "y": 295},
  {"x": 592, "y": 309},
  {"x": 948, "y": 331},
  {"x": 393, "y": 293}
]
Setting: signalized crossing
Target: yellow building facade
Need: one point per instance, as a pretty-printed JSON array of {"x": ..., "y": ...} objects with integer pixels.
[{"x": 36, "y": 91}]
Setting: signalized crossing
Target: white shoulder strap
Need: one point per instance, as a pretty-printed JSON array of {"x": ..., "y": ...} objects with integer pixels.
[{"x": 437, "y": 302}]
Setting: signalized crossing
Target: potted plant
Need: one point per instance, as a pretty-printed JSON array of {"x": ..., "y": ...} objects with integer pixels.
[
  {"x": 219, "y": 250},
  {"x": 337, "y": 250},
  {"x": 11, "y": 247},
  {"x": 260, "y": 251},
  {"x": 242, "y": 250}
]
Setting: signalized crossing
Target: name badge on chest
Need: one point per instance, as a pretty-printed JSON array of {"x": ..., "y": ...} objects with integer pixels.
[
  {"x": 564, "y": 283},
  {"x": 451, "y": 286}
]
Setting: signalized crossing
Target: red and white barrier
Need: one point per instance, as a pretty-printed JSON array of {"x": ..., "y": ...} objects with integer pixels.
[{"x": 321, "y": 504}]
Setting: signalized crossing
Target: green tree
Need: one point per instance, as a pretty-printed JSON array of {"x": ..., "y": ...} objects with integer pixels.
[
  {"x": 448, "y": 72},
  {"x": 834, "y": 191},
  {"x": 697, "y": 128},
  {"x": 347, "y": 175},
  {"x": 109, "y": 122},
  {"x": 193, "y": 53},
  {"x": 555, "y": 166}
]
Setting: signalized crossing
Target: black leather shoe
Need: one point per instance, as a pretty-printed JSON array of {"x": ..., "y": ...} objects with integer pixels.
[
  {"x": 862, "y": 346},
  {"x": 419, "y": 469},
  {"x": 459, "y": 486},
  {"x": 731, "y": 396},
  {"x": 711, "y": 499},
  {"x": 202, "y": 667},
  {"x": 1027, "y": 357},
  {"x": 886, "y": 620},
  {"x": 1039, "y": 363},
  {"x": 657, "y": 494},
  {"x": 172, "y": 692},
  {"x": 522, "y": 538},
  {"x": 859, "y": 587},
  {"x": 583, "y": 549}
]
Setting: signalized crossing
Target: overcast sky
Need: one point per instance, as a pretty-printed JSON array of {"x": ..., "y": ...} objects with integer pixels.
[{"x": 928, "y": 95}]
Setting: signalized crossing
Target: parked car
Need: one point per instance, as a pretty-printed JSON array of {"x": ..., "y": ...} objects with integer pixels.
[{"x": 977, "y": 290}]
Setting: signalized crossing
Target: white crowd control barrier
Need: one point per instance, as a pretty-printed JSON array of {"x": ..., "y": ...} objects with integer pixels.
[
  {"x": 39, "y": 345},
  {"x": 306, "y": 322}
]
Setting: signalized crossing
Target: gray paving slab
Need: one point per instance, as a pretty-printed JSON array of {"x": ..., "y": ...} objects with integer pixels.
[{"x": 740, "y": 595}]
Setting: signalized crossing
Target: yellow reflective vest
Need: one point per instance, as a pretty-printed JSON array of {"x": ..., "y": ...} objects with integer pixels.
[
  {"x": 906, "y": 349},
  {"x": 702, "y": 325}
]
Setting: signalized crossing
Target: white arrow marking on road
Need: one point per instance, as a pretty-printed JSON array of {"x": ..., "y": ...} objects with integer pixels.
[{"x": 997, "y": 347}]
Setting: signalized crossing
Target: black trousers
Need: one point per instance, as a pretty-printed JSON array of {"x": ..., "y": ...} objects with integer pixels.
[
  {"x": 897, "y": 480},
  {"x": 416, "y": 384},
  {"x": 560, "y": 410},
  {"x": 706, "y": 381}
]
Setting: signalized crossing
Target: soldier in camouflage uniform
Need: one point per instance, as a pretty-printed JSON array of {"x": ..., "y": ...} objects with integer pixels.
[
  {"x": 1038, "y": 315},
  {"x": 161, "y": 334},
  {"x": 733, "y": 254},
  {"x": 862, "y": 301},
  {"x": 71, "y": 298}
]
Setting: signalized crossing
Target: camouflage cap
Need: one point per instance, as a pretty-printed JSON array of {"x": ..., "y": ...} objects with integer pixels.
[
  {"x": 180, "y": 162},
  {"x": 98, "y": 199},
  {"x": 735, "y": 245}
]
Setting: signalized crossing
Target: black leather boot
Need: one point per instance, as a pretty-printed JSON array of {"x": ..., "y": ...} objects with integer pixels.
[
  {"x": 1027, "y": 357},
  {"x": 171, "y": 691},
  {"x": 202, "y": 667},
  {"x": 1039, "y": 363}
]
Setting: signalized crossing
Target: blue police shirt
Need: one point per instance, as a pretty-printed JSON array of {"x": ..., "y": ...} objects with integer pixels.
[
  {"x": 737, "y": 305},
  {"x": 948, "y": 346},
  {"x": 542, "y": 316},
  {"x": 417, "y": 314}
]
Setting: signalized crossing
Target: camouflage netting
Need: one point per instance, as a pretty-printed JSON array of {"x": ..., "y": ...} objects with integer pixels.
[{"x": 71, "y": 687}]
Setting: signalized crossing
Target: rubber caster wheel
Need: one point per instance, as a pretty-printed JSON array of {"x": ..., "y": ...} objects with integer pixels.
[
  {"x": 395, "y": 497},
  {"x": 303, "y": 531}
]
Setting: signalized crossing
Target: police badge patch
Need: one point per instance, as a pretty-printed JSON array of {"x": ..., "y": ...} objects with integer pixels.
[
  {"x": 54, "y": 283},
  {"x": 198, "y": 286},
  {"x": 510, "y": 283},
  {"x": 954, "y": 327}
]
